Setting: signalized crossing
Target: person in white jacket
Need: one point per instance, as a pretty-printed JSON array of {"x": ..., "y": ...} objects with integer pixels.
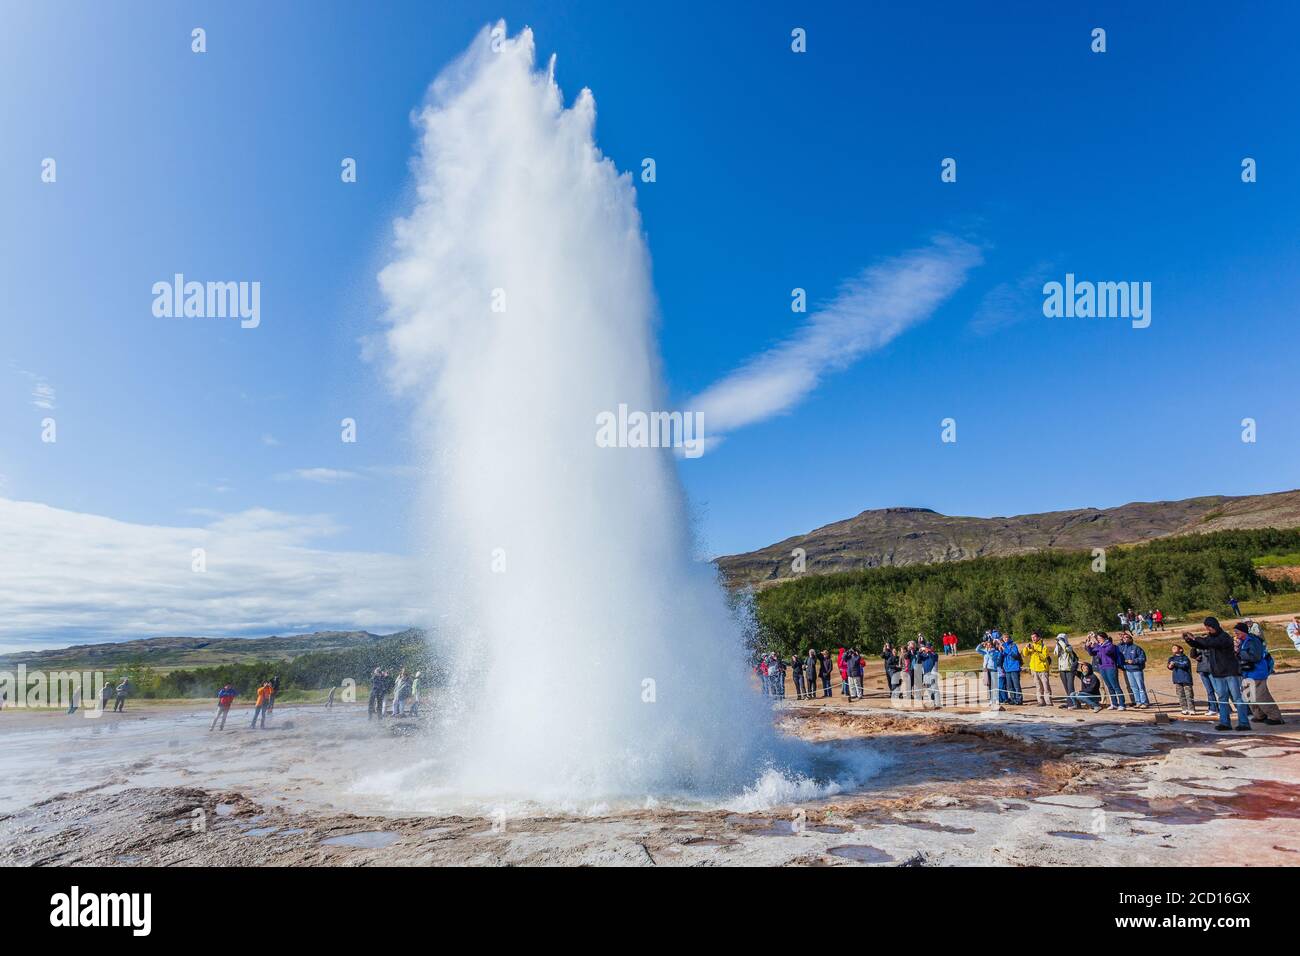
[{"x": 401, "y": 690}]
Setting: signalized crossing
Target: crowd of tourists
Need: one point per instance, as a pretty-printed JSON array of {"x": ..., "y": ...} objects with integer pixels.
[
  {"x": 263, "y": 702},
  {"x": 110, "y": 693},
  {"x": 401, "y": 690},
  {"x": 911, "y": 667},
  {"x": 1137, "y": 622},
  {"x": 392, "y": 693},
  {"x": 1102, "y": 673}
]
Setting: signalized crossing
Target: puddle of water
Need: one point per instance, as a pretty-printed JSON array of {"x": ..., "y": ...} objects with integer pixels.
[
  {"x": 1258, "y": 800},
  {"x": 779, "y": 828},
  {"x": 935, "y": 827},
  {"x": 292, "y": 831},
  {"x": 829, "y": 828},
  {"x": 366, "y": 840},
  {"x": 1072, "y": 834},
  {"x": 861, "y": 854},
  {"x": 706, "y": 841},
  {"x": 225, "y": 809},
  {"x": 260, "y": 831}
]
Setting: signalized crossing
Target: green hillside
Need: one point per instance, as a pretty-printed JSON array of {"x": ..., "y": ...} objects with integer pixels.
[
  {"x": 169, "y": 653},
  {"x": 1051, "y": 590}
]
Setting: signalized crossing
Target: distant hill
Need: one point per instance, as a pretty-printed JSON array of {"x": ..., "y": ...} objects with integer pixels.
[
  {"x": 170, "y": 653},
  {"x": 898, "y": 536}
]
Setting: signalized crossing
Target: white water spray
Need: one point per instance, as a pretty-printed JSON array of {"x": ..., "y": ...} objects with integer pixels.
[{"x": 594, "y": 660}]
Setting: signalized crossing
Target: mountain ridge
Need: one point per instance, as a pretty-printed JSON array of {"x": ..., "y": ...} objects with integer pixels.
[
  {"x": 180, "y": 651},
  {"x": 906, "y": 535}
]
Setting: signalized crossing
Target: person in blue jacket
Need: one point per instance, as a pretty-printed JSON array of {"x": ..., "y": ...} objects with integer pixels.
[
  {"x": 929, "y": 661},
  {"x": 1256, "y": 665},
  {"x": 1179, "y": 666},
  {"x": 1011, "y": 668},
  {"x": 1133, "y": 663},
  {"x": 990, "y": 671}
]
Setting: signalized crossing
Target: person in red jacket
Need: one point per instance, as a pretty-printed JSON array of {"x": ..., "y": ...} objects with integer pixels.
[
  {"x": 225, "y": 697},
  {"x": 844, "y": 673}
]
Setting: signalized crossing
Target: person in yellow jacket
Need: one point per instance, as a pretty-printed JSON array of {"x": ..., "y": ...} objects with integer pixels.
[{"x": 1039, "y": 658}]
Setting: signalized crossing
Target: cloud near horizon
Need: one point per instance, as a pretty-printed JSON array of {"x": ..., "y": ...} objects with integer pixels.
[
  {"x": 323, "y": 476},
  {"x": 69, "y": 577},
  {"x": 867, "y": 313}
]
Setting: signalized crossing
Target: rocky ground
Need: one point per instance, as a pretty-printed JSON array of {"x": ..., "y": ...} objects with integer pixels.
[{"x": 1014, "y": 788}]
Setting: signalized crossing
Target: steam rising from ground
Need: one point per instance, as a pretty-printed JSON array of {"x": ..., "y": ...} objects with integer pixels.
[{"x": 592, "y": 660}]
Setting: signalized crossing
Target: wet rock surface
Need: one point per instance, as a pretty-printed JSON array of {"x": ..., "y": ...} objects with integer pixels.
[{"x": 958, "y": 789}]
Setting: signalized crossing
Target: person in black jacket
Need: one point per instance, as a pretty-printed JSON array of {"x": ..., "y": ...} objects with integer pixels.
[
  {"x": 890, "y": 660},
  {"x": 824, "y": 670},
  {"x": 905, "y": 656},
  {"x": 796, "y": 670},
  {"x": 1089, "y": 692},
  {"x": 379, "y": 684},
  {"x": 1225, "y": 672},
  {"x": 1203, "y": 672},
  {"x": 853, "y": 663}
]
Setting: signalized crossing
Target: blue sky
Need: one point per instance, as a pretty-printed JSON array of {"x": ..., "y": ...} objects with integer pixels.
[{"x": 775, "y": 170}]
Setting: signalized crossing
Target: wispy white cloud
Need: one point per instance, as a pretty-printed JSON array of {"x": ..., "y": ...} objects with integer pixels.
[
  {"x": 1008, "y": 303},
  {"x": 68, "y": 573},
  {"x": 270, "y": 440},
  {"x": 332, "y": 476},
  {"x": 393, "y": 471},
  {"x": 868, "y": 312},
  {"x": 324, "y": 476},
  {"x": 43, "y": 395}
]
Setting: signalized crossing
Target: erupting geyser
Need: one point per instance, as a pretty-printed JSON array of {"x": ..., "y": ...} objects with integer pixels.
[{"x": 592, "y": 658}]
